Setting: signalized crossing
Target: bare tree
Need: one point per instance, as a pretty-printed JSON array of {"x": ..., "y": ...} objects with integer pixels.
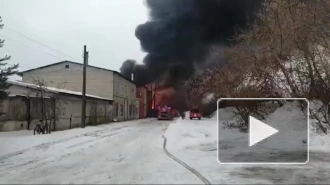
[
  {"x": 293, "y": 41},
  {"x": 48, "y": 102},
  {"x": 285, "y": 54},
  {"x": 295, "y": 37}
]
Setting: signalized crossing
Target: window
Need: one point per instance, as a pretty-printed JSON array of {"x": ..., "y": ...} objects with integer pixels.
[
  {"x": 116, "y": 109},
  {"x": 121, "y": 109},
  {"x": 135, "y": 110},
  {"x": 194, "y": 111},
  {"x": 67, "y": 66},
  {"x": 130, "y": 109}
]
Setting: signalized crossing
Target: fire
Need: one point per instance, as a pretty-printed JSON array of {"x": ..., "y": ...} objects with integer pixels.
[
  {"x": 160, "y": 97},
  {"x": 163, "y": 97},
  {"x": 153, "y": 104}
]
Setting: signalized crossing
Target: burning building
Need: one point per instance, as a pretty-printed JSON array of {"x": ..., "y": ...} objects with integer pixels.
[
  {"x": 160, "y": 96},
  {"x": 178, "y": 37}
]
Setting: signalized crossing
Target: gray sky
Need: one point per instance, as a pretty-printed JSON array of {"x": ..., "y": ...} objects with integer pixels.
[{"x": 106, "y": 26}]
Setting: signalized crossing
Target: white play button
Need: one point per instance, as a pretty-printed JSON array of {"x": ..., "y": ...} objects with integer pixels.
[{"x": 259, "y": 131}]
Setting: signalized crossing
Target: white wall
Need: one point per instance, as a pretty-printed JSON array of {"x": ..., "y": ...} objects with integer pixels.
[
  {"x": 99, "y": 82},
  {"x": 69, "y": 105},
  {"x": 123, "y": 88},
  {"x": 125, "y": 95}
]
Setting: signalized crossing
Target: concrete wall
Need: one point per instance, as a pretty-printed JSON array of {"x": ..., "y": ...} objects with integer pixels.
[
  {"x": 99, "y": 82},
  {"x": 125, "y": 101},
  {"x": 15, "y": 114},
  {"x": 97, "y": 112},
  {"x": 68, "y": 111}
]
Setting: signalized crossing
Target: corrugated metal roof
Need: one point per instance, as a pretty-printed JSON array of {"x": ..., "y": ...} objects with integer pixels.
[{"x": 54, "y": 89}]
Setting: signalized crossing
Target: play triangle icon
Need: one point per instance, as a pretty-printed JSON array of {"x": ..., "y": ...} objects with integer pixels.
[{"x": 259, "y": 131}]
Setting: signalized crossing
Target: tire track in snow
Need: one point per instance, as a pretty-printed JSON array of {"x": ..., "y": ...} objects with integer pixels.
[
  {"x": 44, "y": 145},
  {"x": 93, "y": 140},
  {"x": 47, "y": 145},
  {"x": 192, "y": 170},
  {"x": 45, "y": 160}
]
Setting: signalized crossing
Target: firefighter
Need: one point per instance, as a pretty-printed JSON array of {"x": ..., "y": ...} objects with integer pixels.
[{"x": 182, "y": 114}]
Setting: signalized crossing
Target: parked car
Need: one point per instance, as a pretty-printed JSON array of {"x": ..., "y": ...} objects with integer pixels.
[{"x": 195, "y": 114}]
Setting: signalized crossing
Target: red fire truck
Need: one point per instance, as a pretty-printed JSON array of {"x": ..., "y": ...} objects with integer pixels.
[
  {"x": 195, "y": 113},
  {"x": 165, "y": 113}
]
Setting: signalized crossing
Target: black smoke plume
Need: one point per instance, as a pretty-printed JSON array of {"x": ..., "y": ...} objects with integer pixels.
[{"x": 181, "y": 32}]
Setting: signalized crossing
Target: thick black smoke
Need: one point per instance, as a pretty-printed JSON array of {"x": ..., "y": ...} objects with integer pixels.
[{"x": 181, "y": 32}]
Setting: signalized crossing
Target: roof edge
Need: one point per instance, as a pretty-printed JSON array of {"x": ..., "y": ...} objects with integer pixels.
[
  {"x": 95, "y": 67},
  {"x": 55, "y": 90}
]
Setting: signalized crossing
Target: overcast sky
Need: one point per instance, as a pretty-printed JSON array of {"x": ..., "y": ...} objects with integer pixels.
[{"x": 106, "y": 26}]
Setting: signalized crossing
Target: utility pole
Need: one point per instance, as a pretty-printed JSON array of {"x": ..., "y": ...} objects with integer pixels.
[
  {"x": 83, "y": 98},
  {"x": 154, "y": 96}
]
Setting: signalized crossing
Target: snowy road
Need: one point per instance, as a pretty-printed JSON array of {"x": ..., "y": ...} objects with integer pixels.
[{"x": 129, "y": 152}]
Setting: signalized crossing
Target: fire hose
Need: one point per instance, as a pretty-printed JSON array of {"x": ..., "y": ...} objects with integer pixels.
[{"x": 192, "y": 170}]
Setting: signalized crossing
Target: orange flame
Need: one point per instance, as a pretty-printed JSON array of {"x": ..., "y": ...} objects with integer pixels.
[{"x": 160, "y": 97}]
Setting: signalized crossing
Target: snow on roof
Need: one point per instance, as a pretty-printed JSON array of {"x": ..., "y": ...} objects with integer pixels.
[{"x": 54, "y": 89}]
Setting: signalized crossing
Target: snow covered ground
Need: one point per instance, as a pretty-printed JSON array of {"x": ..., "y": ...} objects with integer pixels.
[
  {"x": 131, "y": 152},
  {"x": 11, "y": 142},
  {"x": 128, "y": 152},
  {"x": 195, "y": 143}
]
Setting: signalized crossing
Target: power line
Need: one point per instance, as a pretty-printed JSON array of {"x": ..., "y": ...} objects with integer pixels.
[
  {"x": 30, "y": 67},
  {"x": 15, "y": 60},
  {"x": 35, "y": 41},
  {"x": 30, "y": 47}
]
